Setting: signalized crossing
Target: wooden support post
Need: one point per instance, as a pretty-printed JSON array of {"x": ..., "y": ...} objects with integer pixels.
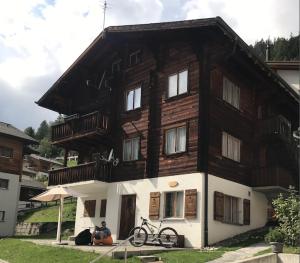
[{"x": 66, "y": 157}]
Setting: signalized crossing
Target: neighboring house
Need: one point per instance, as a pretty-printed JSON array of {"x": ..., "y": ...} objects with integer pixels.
[
  {"x": 29, "y": 188},
  {"x": 289, "y": 71},
  {"x": 201, "y": 127},
  {"x": 13, "y": 144},
  {"x": 39, "y": 164}
]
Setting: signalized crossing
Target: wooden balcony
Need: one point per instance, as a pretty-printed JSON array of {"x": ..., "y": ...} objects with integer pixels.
[
  {"x": 272, "y": 176},
  {"x": 80, "y": 173},
  {"x": 78, "y": 127},
  {"x": 277, "y": 127}
]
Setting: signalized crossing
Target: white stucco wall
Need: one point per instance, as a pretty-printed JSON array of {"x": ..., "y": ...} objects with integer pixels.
[
  {"x": 258, "y": 209},
  {"x": 142, "y": 188},
  {"x": 9, "y": 203}
]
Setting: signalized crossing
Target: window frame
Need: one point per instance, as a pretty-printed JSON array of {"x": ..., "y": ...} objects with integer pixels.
[
  {"x": 2, "y": 219},
  {"x": 4, "y": 188},
  {"x": 133, "y": 102},
  {"x": 234, "y": 140},
  {"x": 177, "y": 73},
  {"x": 225, "y": 96},
  {"x": 138, "y": 57},
  {"x": 182, "y": 209},
  {"x": 118, "y": 64},
  {"x": 11, "y": 150},
  {"x": 176, "y": 140},
  {"x": 238, "y": 211},
  {"x": 131, "y": 142}
]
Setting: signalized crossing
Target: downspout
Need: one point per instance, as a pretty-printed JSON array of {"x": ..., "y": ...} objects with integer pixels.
[{"x": 203, "y": 130}]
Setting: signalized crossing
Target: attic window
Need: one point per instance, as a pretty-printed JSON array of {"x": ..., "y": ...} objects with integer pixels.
[
  {"x": 116, "y": 66},
  {"x": 135, "y": 57}
]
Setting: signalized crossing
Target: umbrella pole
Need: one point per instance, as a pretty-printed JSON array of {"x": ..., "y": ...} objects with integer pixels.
[{"x": 61, "y": 205}]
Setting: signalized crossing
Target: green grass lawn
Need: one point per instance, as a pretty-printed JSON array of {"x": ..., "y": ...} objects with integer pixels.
[
  {"x": 18, "y": 251},
  {"x": 71, "y": 163},
  {"x": 50, "y": 214}
]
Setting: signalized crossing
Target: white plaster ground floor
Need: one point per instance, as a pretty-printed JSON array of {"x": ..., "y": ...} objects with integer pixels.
[
  {"x": 172, "y": 191},
  {"x": 9, "y": 198}
]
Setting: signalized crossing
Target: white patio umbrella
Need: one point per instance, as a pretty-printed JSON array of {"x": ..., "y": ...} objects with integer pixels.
[{"x": 57, "y": 193}]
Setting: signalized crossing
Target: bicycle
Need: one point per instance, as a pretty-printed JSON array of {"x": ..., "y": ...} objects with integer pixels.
[{"x": 166, "y": 237}]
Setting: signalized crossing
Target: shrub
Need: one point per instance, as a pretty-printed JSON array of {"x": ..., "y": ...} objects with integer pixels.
[
  {"x": 275, "y": 235},
  {"x": 287, "y": 211}
]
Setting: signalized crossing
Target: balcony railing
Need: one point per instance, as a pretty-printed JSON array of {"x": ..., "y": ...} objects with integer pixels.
[
  {"x": 272, "y": 176},
  {"x": 84, "y": 172},
  {"x": 276, "y": 126},
  {"x": 80, "y": 125}
]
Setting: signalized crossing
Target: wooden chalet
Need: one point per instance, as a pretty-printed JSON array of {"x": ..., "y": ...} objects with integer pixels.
[{"x": 191, "y": 113}]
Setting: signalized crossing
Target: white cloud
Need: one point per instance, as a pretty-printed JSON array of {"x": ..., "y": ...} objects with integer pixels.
[{"x": 252, "y": 20}]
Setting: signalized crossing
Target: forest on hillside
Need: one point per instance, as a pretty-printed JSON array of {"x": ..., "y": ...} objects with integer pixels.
[{"x": 281, "y": 49}]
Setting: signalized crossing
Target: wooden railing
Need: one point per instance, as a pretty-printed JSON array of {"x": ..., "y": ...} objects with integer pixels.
[
  {"x": 276, "y": 126},
  {"x": 272, "y": 176},
  {"x": 84, "y": 172},
  {"x": 78, "y": 125}
]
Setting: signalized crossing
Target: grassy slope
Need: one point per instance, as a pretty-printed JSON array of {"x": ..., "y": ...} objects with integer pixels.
[
  {"x": 17, "y": 251},
  {"x": 50, "y": 214}
]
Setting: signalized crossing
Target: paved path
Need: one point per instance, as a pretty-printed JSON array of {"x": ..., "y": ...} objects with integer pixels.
[
  {"x": 102, "y": 249},
  {"x": 3, "y": 261},
  {"x": 241, "y": 253}
]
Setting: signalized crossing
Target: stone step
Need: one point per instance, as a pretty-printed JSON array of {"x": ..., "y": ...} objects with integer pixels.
[{"x": 148, "y": 259}]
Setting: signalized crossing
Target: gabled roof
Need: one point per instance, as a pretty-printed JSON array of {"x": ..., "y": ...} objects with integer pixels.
[
  {"x": 9, "y": 130},
  {"x": 216, "y": 22},
  {"x": 38, "y": 157}
]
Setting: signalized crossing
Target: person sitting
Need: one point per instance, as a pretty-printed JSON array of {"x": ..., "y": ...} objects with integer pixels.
[{"x": 102, "y": 235}]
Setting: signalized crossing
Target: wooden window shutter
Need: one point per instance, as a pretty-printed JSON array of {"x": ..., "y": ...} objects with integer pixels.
[
  {"x": 103, "y": 208},
  {"x": 190, "y": 209},
  {"x": 246, "y": 212},
  {"x": 89, "y": 208},
  {"x": 154, "y": 205},
  {"x": 218, "y": 206}
]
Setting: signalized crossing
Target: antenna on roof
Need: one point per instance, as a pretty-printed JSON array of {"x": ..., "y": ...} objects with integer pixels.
[{"x": 104, "y": 12}]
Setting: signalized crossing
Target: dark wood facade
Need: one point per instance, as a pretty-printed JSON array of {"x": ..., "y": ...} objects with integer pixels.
[{"x": 208, "y": 54}]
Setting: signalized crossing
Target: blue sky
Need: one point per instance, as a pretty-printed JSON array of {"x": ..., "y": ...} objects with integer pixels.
[{"x": 39, "y": 39}]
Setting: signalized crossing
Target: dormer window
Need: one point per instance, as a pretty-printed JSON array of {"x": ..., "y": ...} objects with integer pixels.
[
  {"x": 231, "y": 93},
  {"x": 116, "y": 66},
  {"x": 135, "y": 58}
]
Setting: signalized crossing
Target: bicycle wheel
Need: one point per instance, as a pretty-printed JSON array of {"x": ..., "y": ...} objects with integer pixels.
[
  {"x": 139, "y": 236},
  {"x": 168, "y": 237}
]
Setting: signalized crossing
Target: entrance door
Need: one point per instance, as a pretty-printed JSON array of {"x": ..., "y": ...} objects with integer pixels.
[{"x": 127, "y": 219}]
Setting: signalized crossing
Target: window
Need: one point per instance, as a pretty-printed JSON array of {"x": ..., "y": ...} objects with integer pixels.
[
  {"x": 4, "y": 183},
  {"x": 116, "y": 66},
  {"x": 133, "y": 99},
  {"x": 231, "y": 209},
  {"x": 103, "y": 208},
  {"x": 6, "y": 152},
  {"x": 231, "y": 147},
  {"x": 177, "y": 84},
  {"x": 131, "y": 149},
  {"x": 174, "y": 204},
  {"x": 89, "y": 208},
  {"x": 231, "y": 93},
  {"x": 2, "y": 216},
  {"x": 135, "y": 58},
  {"x": 176, "y": 140}
]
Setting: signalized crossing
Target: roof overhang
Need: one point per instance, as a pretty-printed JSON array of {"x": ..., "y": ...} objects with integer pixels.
[{"x": 101, "y": 44}]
